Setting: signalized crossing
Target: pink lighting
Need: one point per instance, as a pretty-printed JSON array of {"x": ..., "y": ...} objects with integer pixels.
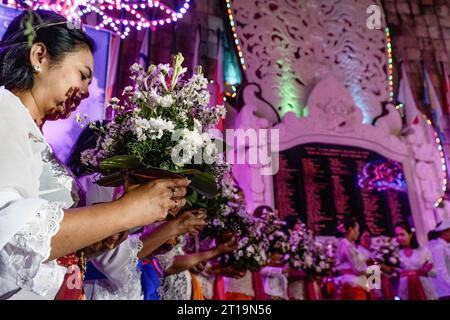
[{"x": 109, "y": 9}]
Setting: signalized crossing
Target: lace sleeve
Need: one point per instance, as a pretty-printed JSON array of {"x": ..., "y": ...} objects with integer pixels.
[
  {"x": 123, "y": 275},
  {"x": 23, "y": 259}
]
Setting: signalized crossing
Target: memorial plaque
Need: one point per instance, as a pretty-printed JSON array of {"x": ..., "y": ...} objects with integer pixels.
[{"x": 324, "y": 183}]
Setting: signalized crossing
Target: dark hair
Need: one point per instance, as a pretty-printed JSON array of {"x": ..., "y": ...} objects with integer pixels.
[
  {"x": 290, "y": 221},
  {"x": 87, "y": 140},
  {"x": 433, "y": 235},
  {"x": 258, "y": 213},
  {"x": 362, "y": 232},
  {"x": 347, "y": 223},
  {"x": 49, "y": 28},
  {"x": 405, "y": 226}
]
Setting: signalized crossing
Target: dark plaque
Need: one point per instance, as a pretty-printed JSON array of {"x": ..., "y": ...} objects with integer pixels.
[{"x": 324, "y": 183}]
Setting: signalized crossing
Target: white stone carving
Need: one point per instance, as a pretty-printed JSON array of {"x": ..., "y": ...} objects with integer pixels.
[{"x": 290, "y": 45}]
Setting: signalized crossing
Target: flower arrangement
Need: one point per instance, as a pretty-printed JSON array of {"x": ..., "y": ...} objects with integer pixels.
[
  {"x": 308, "y": 254},
  {"x": 386, "y": 251},
  {"x": 161, "y": 130},
  {"x": 252, "y": 246},
  {"x": 273, "y": 230},
  {"x": 232, "y": 220}
]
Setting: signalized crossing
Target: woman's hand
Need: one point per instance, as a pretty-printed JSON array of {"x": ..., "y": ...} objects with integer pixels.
[
  {"x": 227, "y": 247},
  {"x": 109, "y": 243},
  {"x": 191, "y": 221},
  {"x": 148, "y": 203},
  {"x": 427, "y": 267},
  {"x": 199, "y": 268}
]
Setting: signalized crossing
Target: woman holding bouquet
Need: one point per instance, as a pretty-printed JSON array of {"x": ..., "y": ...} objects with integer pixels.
[
  {"x": 46, "y": 68},
  {"x": 351, "y": 263},
  {"x": 416, "y": 266},
  {"x": 178, "y": 283}
]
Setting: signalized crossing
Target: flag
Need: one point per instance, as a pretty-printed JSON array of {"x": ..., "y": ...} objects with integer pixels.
[
  {"x": 406, "y": 97},
  {"x": 143, "y": 52},
  {"x": 218, "y": 72},
  {"x": 197, "y": 42},
  {"x": 446, "y": 82},
  {"x": 431, "y": 100}
]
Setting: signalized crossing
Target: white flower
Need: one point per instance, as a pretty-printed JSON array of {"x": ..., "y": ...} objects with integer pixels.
[
  {"x": 136, "y": 67},
  {"x": 393, "y": 260},
  {"x": 166, "y": 101},
  {"x": 160, "y": 125},
  {"x": 128, "y": 90}
]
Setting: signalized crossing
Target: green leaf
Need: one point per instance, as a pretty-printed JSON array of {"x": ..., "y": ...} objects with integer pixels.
[
  {"x": 120, "y": 162},
  {"x": 187, "y": 171},
  {"x": 191, "y": 199},
  {"x": 205, "y": 184}
]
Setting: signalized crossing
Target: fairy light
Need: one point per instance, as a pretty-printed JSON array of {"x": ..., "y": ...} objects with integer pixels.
[
  {"x": 390, "y": 65},
  {"x": 137, "y": 20},
  {"x": 235, "y": 36},
  {"x": 442, "y": 160},
  {"x": 400, "y": 107}
]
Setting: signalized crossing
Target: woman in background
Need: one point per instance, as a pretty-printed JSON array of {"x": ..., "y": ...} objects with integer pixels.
[
  {"x": 364, "y": 244},
  {"x": 416, "y": 266},
  {"x": 351, "y": 263}
]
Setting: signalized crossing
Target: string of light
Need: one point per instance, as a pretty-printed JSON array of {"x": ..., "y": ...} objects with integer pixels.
[
  {"x": 390, "y": 65},
  {"x": 235, "y": 36},
  {"x": 108, "y": 9},
  {"x": 442, "y": 160}
]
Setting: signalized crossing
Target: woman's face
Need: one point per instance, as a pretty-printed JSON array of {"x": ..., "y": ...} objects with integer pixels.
[
  {"x": 354, "y": 232},
  {"x": 402, "y": 237},
  {"x": 366, "y": 239},
  {"x": 59, "y": 88}
]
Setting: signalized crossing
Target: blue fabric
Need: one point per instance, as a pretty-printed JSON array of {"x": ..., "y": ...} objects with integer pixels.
[
  {"x": 150, "y": 281},
  {"x": 92, "y": 273}
]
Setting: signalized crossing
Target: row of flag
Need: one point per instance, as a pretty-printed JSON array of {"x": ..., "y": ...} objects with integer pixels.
[{"x": 440, "y": 114}]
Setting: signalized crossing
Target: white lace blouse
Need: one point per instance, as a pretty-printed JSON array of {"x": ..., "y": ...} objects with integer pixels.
[
  {"x": 120, "y": 265},
  {"x": 175, "y": 286},
  {"x": 34, "y": 190}
]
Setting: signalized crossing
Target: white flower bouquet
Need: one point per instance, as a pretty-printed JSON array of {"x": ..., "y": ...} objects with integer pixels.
[
  {"x": 308, "y": 254},
  {"x": 386, "y": 251},
  {"x": 160, "y": 130}
]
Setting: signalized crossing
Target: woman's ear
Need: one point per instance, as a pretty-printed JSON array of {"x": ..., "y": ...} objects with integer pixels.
[{"x": 38, "y": 57}]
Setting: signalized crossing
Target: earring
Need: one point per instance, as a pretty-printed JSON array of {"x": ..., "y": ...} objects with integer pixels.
[{"x": 37, "y": 68}]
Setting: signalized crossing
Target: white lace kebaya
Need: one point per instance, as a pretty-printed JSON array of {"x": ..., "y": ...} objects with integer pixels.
[
  {"x": 120, "y": 265},
  {"x": 176, "y": 286},
  {"x": 34, "y": 190}
]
